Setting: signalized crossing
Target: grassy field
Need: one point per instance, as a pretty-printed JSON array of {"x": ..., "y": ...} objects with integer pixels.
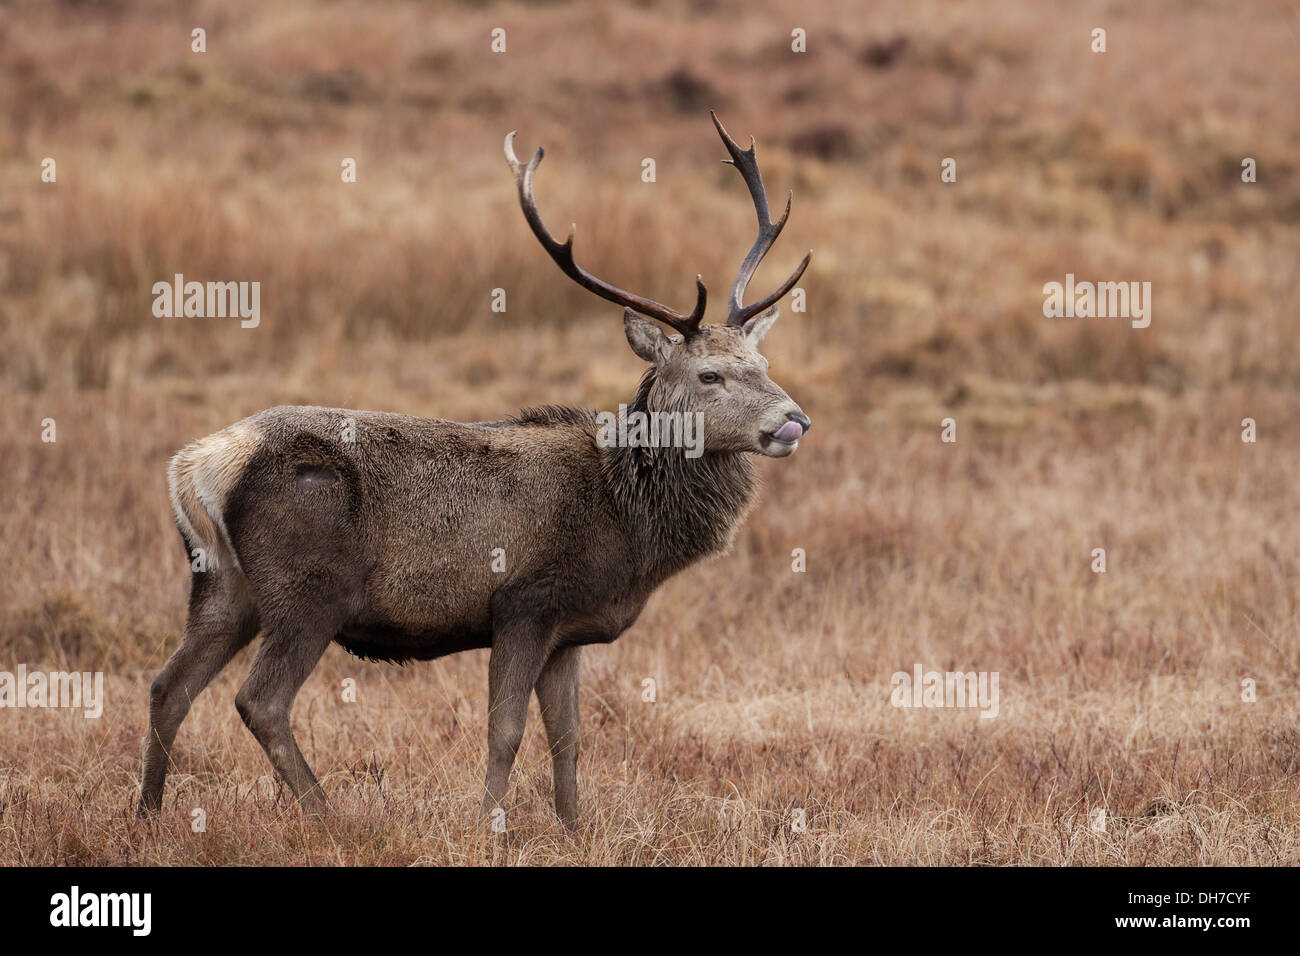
[{"x": 1120, "y": 691}]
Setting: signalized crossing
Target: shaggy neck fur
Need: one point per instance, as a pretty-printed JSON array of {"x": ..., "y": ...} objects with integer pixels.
[{"x": 681, "y": 508}]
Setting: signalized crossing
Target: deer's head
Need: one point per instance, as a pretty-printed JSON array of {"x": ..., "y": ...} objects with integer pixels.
[{"x": 715, "y": 370}]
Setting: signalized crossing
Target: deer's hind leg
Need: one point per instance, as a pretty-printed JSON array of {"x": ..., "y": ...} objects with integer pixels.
[
  {"x": 222, "y": 619},
  {"x": 291, "y": 648}
]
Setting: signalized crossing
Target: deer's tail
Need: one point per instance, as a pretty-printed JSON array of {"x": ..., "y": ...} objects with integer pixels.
[{"x": 200, "y": 479}]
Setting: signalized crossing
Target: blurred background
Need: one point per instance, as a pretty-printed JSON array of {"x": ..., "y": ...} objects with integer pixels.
[{"x": 924, "y": 301}]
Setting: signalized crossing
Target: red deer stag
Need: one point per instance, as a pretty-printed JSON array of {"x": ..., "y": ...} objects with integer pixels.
[{"x": 379, "y": 531}]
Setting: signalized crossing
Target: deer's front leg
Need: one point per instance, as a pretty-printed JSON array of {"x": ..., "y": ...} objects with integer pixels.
[
  {"x": 517, "y": 658},
  {"x": 557, "y": 695}
]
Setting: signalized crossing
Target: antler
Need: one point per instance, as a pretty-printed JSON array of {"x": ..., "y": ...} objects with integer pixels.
[
  {"x": 562, "y": 253},
  {"x": 743, "y": 160}
]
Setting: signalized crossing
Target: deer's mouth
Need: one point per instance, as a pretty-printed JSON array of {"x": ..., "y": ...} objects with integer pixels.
[
  {"x": 787, "y": 434},
  {"x": 784, "y": 439}
]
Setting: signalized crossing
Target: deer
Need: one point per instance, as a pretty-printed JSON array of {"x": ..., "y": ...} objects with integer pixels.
[{"x": 379, "y": 531}]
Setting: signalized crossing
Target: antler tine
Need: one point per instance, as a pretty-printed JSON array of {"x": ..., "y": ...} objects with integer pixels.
[
  {"x": 562, "y": 253},
  {"x": 747, "y": 164}
]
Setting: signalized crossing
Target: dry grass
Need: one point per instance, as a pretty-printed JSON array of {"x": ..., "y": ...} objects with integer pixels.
[{"x": 1119, "y": 691}]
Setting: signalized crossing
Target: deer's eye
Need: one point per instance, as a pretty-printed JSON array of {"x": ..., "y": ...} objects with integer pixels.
[{"x": 710, "y": 378}]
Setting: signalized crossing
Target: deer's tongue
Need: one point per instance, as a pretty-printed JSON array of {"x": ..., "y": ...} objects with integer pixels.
[{"x": 790, "y": 431}]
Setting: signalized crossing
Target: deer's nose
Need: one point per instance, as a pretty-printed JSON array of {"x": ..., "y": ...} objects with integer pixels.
[{"x": 804, "y": 421}]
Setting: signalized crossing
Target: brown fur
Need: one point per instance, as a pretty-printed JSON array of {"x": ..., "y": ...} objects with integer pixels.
[
  {"x": 386, "y": 533},
  {"x": 385, "y": 544}
]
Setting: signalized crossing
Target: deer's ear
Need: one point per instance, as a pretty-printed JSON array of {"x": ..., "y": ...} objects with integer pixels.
[
  {"x": 757, "y": 327},
  {"x": 648, "y": 341}
]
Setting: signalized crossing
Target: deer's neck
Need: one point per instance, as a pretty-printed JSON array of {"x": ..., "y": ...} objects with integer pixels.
[{"x": 679, "y": 508}]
